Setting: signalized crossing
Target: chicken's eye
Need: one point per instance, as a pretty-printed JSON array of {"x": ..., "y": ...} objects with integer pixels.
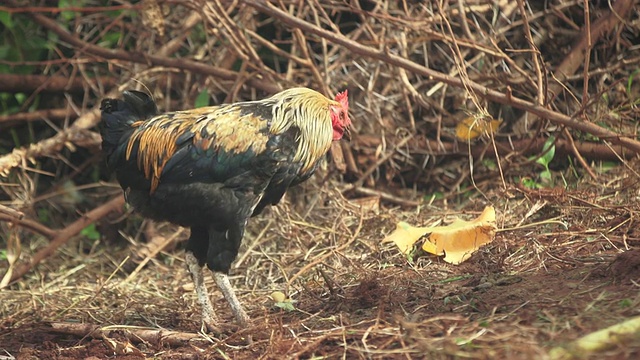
[{"x": 341, "y": 115}]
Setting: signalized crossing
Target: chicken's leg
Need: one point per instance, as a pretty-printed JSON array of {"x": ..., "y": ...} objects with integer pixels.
[
  {"x": 208, "y": 315},
  {"x": 222, "y": 280}
]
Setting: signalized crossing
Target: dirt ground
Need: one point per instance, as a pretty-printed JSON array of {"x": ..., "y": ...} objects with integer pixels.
[{"x": 539, "y": 285}]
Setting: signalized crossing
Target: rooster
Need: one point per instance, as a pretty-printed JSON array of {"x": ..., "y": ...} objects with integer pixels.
[{"x": 212, "y": 168}]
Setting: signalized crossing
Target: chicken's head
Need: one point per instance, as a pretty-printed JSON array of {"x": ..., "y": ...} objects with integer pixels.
[{"x": 340, "y": 117}]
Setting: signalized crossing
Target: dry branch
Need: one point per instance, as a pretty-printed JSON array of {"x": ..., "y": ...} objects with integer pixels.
[
  {"x": 50, "y": 114},
  {"x": 29, "y": 225},
  {"x": 420, "y": 145},
  {"x": 133, "y": 334},
  {"x": 76, "y": 134},
  {"x": 31, "y": 83},
  {"x": 65, "y": 234},
  {"x": 483, "y": 91},
  {"x": 573, "y": 60},
  {"x": 14, "y": 214},
  {"x": 255, "y": 81}
]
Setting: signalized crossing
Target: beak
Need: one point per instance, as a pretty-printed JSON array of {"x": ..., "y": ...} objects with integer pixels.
[{"x": 347, "y": 133}]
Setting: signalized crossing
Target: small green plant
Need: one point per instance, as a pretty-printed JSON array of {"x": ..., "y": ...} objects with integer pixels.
[
  {"x": 90, "y": 232},
  {"x": 490, "y": 164},
  {"x": 630, "y": 80},
  {"x": 625, "y": 303},
  {"x": 545, "y": 177},
  {"x": 203, "y": 99},
  {"x": 282, "y": 302},
  {"x": 413, "y": 254},
  {"x": 548, "y": 153},
  {"x": 285, "y": 305}
]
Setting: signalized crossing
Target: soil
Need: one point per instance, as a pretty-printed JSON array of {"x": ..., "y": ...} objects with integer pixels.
[{"x": 429, "y": 310}]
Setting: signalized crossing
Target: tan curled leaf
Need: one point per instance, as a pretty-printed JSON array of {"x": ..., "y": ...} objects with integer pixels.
[
  {"x": 278, "y": 296},
  {"x": 281, "y": 301},
  {"x": 590, "y": 345},
  {"x": 458, "y": 240},
  {"x": 472, "y": 127},
  {"x": 405, "y": 235}
]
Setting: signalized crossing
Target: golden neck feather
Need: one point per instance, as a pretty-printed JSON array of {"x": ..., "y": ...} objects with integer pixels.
[{"x": 310, "y": 112}]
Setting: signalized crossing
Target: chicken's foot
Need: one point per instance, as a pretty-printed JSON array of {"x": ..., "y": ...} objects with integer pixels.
[
  {"x": 222, "y": 280},
  {"x": 209, "y": 317}
]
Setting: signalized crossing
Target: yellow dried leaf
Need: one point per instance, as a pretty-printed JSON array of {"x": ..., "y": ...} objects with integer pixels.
[
  {"x": 152, "y": 16},
  {"x": 405, "y": 235},
  {"x": 472, "y": 127},
  {"x": 458, "y": 240},
  {"x": 278, "y": 296}
]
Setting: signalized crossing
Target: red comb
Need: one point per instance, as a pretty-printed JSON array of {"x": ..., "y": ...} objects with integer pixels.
[{"x": 343, "y": 99}]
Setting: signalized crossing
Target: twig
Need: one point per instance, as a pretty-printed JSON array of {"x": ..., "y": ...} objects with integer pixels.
[
  {"x": 322, "y": 258},
  {"x": 386, "y": 196},
  {"x": 587, "y": 55},
  {"x": 181, "y": 63},
  {"x": 535, "y": 54},
  {"x": 575, "y": 58},
  {"x": 14, "y": 214},
  {"x": 577, "y": 154},
  {"x": 29, "y": 83},
  {"x": 65, "y": 234},
  {"x": 133, "y": 334},
  {"x": 77, "y": 134},
  {"x": 493, "y": 95},
  {"x": 525, "y": 147},
  {"x": 175, "y": 43},
  {"x": 30, "y": 225},
  {"x": 373, "y": 167},
  {"x": 51, "y": 114},
  {"x": 156, "y": 244}
]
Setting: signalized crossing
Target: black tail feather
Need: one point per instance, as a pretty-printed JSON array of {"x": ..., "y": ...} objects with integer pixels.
[{"x": 118, "y": 115}]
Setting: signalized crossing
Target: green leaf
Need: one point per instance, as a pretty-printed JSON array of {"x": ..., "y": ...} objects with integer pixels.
[
  {"x": 546, "y": 177},
  {"x": 530, "y": 183},
  {"x": 90, "y": 232},
  {"x": 548, "y": 152},
  {"x": 203, "y": 99},
  {"x": 285, "y": 305},
  {"x": 630, "y": 80},
  {"x": 5, "y": 19}
]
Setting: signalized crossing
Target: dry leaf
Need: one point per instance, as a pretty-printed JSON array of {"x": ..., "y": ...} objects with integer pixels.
[
  {"x": 472, "y": 127},
  {"x": 281, "y": 301},
  {"x": 278, "y": 296},
  {"x": 405, "y": 235},
  {"x": 457, "y": 241},
  {"x": 152, "y": 16},
  {"x": 590, "y": 345}
]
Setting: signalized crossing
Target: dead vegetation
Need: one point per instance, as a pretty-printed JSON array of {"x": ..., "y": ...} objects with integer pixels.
[{"x": 82, "y": 277}]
